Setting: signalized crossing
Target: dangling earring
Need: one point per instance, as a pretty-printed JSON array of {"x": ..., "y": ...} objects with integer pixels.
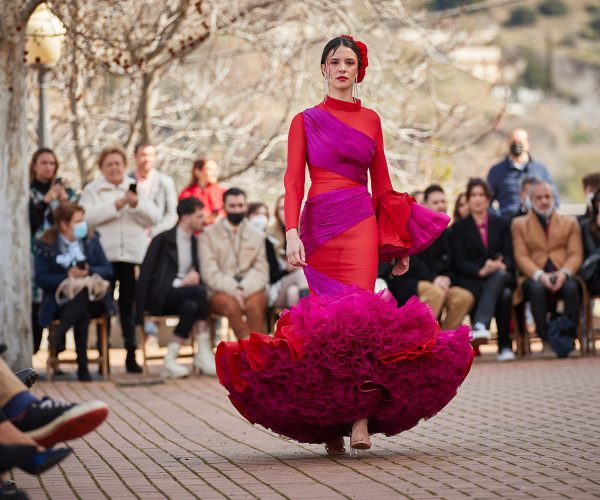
[
  {"x": 355, "y": 88},
  {"x": 325, "y": 86}
]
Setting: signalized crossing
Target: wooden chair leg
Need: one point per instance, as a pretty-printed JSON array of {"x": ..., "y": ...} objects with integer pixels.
[
  {"x": 142, "y": 335},
  {"x": 104, "y": 347}
]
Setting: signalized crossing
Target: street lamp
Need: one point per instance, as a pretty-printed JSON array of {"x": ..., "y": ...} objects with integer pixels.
[{"x": 45, "y": 35}]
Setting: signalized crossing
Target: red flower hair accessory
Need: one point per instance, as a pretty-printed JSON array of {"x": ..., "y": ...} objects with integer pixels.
[{"x": 362, "y": 48}]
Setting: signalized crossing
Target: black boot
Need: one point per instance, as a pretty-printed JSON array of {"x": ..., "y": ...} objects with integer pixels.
[
  {"x": 130, "y": 362},
  {"x": 83, "y": 372}
]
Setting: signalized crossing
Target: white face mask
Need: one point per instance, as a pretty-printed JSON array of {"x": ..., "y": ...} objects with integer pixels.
[
  {"x": 589, "y": 197},
  {"x": 259, "y": 221}
]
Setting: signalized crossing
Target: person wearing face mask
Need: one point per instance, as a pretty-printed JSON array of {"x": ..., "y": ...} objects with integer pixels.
[
  {"x": 548, "y": 252},
  {"x": 506, "y": 176},
  {"x": 68, "y": 248},
  {"x": 286, "y": 284},
  {"x": 233, "y": 265}
]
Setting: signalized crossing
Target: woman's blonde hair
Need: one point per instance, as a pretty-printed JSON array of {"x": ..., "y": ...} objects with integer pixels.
[{"x": 109, "y": 151}]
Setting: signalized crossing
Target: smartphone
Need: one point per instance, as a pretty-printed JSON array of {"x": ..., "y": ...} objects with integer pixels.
[
  {"x": 81, "y": 264},
  {"x": 57, "y": 180},
  {"x": 133, "y": 187},
  {"x": 497, "y": 255},
  {"x": 553, "y": 279}
]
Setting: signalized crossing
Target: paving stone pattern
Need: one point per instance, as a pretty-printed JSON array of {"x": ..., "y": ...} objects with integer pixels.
[{"x": 528, "y": 429}]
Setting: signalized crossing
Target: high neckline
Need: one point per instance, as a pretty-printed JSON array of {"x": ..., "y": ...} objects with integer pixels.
[{"x": 342, "y": 105}]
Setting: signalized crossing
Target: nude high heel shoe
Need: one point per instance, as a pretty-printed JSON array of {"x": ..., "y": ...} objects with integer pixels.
[{"x": 360, "y": 436}]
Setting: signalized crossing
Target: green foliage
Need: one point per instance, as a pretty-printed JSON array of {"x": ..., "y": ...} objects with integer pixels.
[
  {"x": 535, "y": 75},
  {"x": 521, "y": 16},
  {"x": 581, "y": 135},
  {"x": 553, "y": 8},
  {"x": 592, "y": 8},
  {"x": 594, "y": 25},
  {"x": 449, "y": 4}
]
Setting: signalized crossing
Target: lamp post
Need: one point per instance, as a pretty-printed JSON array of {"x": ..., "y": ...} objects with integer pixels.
[{"x": 45, "y": 35}]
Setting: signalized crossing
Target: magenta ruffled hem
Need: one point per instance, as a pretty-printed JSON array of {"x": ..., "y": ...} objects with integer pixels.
[{"x": 337, "y": 358}]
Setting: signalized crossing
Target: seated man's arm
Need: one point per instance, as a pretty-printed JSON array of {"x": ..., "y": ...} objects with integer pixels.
[
  {"x": 525, "y": 263},
  {"x": 257, "y": 277},
  {"x": 211, "y": 273},
  {"x": 574, "y": 249}
]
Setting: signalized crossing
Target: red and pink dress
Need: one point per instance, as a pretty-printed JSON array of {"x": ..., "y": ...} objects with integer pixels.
[{"x": 344, "y": 353}]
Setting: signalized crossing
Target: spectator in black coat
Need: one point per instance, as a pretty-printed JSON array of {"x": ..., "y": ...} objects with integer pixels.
[
  {"x": 590, "y": 234},
  {"x": 431, "y": 274},
  {"x": 170, "y": 283},
  {"x": 485, "y": 266}
]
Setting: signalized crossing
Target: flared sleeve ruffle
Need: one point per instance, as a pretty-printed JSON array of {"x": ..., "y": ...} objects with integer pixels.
[{"x": 405, "y": 227}]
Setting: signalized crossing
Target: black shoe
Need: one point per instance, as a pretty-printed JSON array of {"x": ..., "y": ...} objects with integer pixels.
[
  {"x": 42, "y": 461},
  {"x": 28, "y": 376},
  {"x": 83, "y": 375},
  {"x": 49, "y": 421},
  {"x": 13, "y": 455},
  {"x": 131, "y": 364}
]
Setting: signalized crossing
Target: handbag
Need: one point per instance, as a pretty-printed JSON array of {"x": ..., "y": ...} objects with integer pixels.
[
  {"x": 590, "y": 266},
  {"x": 70, "y": 287},
  {"x": 561, "y": 334}
]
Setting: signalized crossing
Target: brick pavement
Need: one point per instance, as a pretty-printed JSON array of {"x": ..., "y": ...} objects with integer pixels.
[{"x": 528, "y": 429}]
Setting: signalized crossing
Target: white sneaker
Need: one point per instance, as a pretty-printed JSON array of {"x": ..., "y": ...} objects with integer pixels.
[
  {"x": 480, "y": 334},
  {"x": 204, "y": 359},
  {"x": 170, "y": 368},
  {"x": 505, "y": 354}
]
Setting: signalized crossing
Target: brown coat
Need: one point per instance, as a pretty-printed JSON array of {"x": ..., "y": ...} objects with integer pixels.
[{"x": 532, "y": 247}]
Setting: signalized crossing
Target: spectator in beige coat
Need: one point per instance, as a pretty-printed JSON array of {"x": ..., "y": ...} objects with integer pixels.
[
  {"x": 234, "y": 266},
  {"x": 121, "y": 216},
  {"x": 548, "y": 252}
]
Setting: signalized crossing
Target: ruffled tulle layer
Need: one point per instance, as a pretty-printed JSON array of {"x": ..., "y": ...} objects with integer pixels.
[
  {"x": 405, "y": 227},
  {"x": 335, "y": 359}
]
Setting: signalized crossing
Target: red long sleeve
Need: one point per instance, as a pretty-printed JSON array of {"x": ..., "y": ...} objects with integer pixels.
[
  {"x": 380, "y": 176},
  {"x": 295, "y": 172}
]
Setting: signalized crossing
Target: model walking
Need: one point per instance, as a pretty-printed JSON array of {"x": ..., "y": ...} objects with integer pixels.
[{"x": 345, "y": 360}]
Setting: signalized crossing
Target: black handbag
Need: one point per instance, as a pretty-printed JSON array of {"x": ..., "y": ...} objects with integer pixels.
[
  {"x": 590, "y": 266},
  {"x": 561, "y": 334}
]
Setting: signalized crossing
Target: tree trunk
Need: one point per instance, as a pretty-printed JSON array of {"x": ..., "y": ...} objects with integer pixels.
[{"x": 15, "y": 263}]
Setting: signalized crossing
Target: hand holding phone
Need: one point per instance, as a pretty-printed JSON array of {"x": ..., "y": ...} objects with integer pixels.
[{"x": 133, "y": 187}]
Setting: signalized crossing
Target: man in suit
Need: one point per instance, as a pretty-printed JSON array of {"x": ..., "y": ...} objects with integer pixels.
[
  {"x": 431, "y": 273},
  {"x": 484, "y": 266},
  {"x": 235, "y": 267},
  {"x": 548, "y": 252},
  {"x": 170, "y": 283}
]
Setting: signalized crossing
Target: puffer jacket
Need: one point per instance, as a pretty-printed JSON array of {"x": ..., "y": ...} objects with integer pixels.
[{"x": 123, "y": 233}]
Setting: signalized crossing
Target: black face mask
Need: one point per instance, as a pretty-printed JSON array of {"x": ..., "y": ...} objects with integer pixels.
[
  {"x": 236, "y": 219},
  {"x": 516, "y": 148}
]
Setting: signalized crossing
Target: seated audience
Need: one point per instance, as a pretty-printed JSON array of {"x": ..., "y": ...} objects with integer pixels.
[
  {"x": 431, "y": 274},
  {"x": 287, "y": 284},
  {"x": 590, "y": 233},
  {"x": 590, "y": 184},
  {"x": 484, "y": 266},
  {"x": 205, "y": 187},
  {"x": 69, "y": 249},
  {"x": 170, "y": 283},
  {"x": 46, "y": 191},
  {"x": 461, "y": 208},
  {"x": 234, "y": 267},
  {"x": 548, "y": 252},
  {"x": 121, "y": 215}
]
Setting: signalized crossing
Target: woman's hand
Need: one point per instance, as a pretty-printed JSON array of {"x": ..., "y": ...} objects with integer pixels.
[
  {"x": 294, "y": 249},
  {"x": 401, "y": 266}
]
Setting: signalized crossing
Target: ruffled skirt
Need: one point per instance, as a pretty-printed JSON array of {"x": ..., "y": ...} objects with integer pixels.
[{"x": 337, "y": 358}]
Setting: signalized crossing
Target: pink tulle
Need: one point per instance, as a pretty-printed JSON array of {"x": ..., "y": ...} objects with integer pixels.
[
  {"x": 338, "y": 358},
  {"x": 405, "y": 227}
]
